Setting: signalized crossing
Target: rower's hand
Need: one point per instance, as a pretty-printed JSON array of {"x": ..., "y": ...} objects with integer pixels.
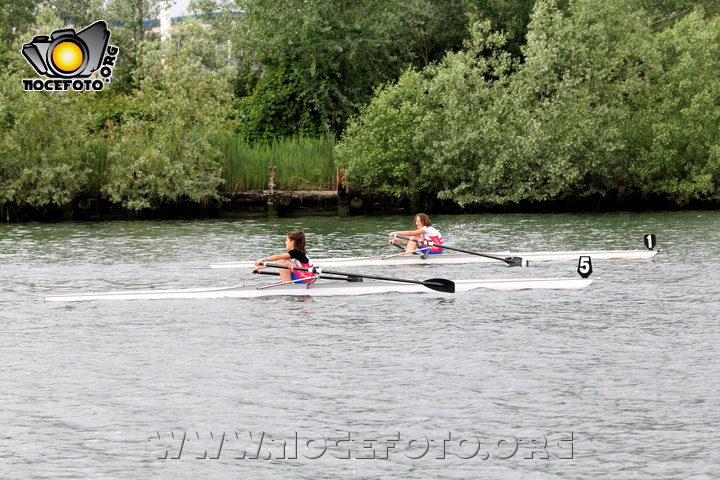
[
  {"x": 259, "y": 261},
  {"x": 257, "y": 269},
  {"x": 392, "y": 238}
]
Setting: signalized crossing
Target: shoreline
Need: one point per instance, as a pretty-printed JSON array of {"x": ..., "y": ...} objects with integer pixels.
[{"x": 299, "y": 203}]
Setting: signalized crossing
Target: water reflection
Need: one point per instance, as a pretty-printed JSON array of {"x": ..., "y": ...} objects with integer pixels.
[{"x": 629, "y": 359}]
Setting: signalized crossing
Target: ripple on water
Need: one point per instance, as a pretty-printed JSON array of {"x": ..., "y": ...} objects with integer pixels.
[{"x": 100, "y": 389}]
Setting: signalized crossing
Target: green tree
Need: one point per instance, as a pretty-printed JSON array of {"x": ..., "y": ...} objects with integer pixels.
[
  {"x": 320, "y": 61},
  {"x": 16, "y": 16},
  {"x": 607, "y": 103},
  {"x": 380, "y": 147},
  {"x": 78, "y": 13},
  {"x": 44, "y": 136},
  {"x": 325, "y": 55},
  {"x": 508, "y": 16},
  {"x": 680, "y": 154},
  {"x": 43, "y": 145},
  {"x": 131, "y": 29},
  {"x": 583, "y": 72},
  {"x": 161, "y": 151},
  {"x": 425, "y": 134},
  {"x": 431, "y": 28},
  {"x": 621, "y": 101},
  {"x": 661, "y": 13}
]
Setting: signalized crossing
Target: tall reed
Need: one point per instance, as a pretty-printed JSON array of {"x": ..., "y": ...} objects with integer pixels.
[
  {"x": 94, "y": 159},
  {"x": 301, "y": 163}
]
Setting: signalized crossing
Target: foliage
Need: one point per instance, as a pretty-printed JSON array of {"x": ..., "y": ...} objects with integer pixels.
[
  {"x": 425, "y": 133},
  {"x": 508, "y": 16},
  {"x": 607, "y": 103},
  {"x": 79, "y": 13},
  {"x": 160, "y": 152},
  {"x": 43, "y": 138},
  {"x": 42, "y": 144},
  {"x": 279, "y": 107},
  {"x": 680, "y": 157},
  {"x": 431, "y": 28},
  {"x": 477, "y": 101},
  {"x": 322, "y": 60},
  {"x": 16, "y": 16},
  {"x": 380, "y": 148},
  {"x": 131, "y": 30}
]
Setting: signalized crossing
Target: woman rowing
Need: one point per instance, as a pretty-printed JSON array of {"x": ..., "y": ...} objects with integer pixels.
[
  {"x": 424, "y": 232},
  {"x": 296, "y": 256}
]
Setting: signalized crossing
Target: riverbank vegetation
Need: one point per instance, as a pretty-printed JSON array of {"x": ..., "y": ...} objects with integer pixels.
[
  {"x": 479, "y": 103},
  {"x": 302, "y": 163},
  {"x": 604, "y": 102}
]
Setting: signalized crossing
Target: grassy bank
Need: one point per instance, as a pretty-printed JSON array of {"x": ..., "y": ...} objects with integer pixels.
[{"x": 301, "y": 163}]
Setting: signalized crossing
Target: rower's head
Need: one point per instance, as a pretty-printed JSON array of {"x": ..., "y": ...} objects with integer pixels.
[
  {"x": 422, "y": 220},
  {"x": 296, "y": 240}
]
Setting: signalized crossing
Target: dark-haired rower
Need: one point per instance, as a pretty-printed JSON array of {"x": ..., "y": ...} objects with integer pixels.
[{"x": 296, "y": 256}]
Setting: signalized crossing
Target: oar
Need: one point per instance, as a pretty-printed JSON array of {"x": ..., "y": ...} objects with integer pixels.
[
  {"x": 401, "y": 254},
  {"x": 346, "y": 279},
  {"x": 439, "y": 284},
  {"x": 307, "y": 284},
  {"x": 511, "y": 261}
]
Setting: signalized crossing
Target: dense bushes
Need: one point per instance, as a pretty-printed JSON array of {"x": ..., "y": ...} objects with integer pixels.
[
  {"x": 473, "y": 101},
  {"x": 605, "y": 103}
]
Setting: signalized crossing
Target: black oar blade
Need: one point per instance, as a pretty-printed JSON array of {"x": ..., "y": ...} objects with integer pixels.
[
  {"x": 440, "y": 284},
  {"x": 514, "y": 261}
]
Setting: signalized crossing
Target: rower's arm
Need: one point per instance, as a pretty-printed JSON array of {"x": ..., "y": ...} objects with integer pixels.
[
  {"x": 408, "y": 233},
  {"x": 273, "y": 258}
]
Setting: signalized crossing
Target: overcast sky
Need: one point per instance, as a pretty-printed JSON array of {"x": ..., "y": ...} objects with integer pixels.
[{"x": 179, "y": 8}]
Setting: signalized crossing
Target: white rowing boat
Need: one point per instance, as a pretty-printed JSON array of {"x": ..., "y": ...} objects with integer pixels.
[
  {"x": 455, "y": 259},
  {"x": 325, "y": 289}
]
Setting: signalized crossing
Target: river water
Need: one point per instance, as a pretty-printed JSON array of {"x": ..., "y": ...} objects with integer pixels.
[{"x": 618, "y": 380}]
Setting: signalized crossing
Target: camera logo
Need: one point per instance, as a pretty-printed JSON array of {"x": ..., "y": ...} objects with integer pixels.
[{"x": 68, "y": 59}]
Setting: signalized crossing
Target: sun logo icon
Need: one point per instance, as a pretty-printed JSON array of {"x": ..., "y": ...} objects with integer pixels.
[{"x": 67, "y": 57}]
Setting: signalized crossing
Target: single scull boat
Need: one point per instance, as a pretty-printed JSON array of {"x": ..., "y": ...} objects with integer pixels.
[
  {"x": 455, "y": 259},
  {"x": 512, "y": 259},
  {"x": 324, "y": 289}
]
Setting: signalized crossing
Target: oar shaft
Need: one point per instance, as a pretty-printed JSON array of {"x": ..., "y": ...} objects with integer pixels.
[
  {"x": 321, "y": 271},
  {"x": 426, "y": 242},
  {"x": 438, "y": 284},
  {"x": 260, "y": 287},
  {"x": 277, "y": 274}
]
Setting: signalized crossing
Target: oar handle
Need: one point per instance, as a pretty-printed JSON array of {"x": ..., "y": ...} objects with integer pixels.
[{"x": 420, "y": 240}]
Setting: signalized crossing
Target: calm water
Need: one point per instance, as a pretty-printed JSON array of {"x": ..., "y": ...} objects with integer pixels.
[{"x": 622, "y": 376}]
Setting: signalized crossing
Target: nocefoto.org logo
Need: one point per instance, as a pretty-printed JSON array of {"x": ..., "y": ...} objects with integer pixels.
[{"x": 67, "y": 59}]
